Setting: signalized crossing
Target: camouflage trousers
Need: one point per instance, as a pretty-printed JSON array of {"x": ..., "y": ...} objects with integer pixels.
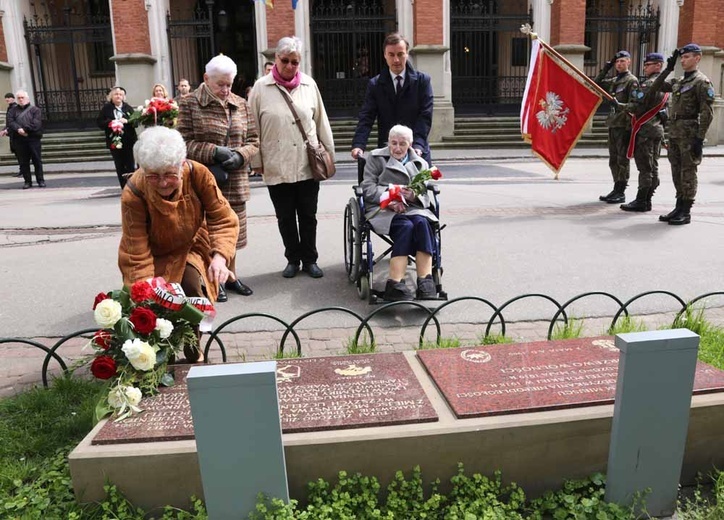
[
  {"x": 646, "y": 155},
  {"x": 683, "y": 168},
  {"x": 617, "y": 147}
]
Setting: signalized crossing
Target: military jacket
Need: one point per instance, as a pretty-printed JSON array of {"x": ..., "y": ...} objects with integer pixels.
[
  {"x": 691, "y": 109},
  {"x": 625, "y": 88},
  {"x": 654, "y": 127}
]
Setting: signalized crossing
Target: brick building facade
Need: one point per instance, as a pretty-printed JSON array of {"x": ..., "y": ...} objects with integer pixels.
[{"x": 67, "y": 53}]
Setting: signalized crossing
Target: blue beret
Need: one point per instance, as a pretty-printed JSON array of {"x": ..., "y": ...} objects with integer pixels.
[
  {"x": 654, "y": 56},
  {"x": 691, "y": 47},
  {"x": 622, "y": 54}
]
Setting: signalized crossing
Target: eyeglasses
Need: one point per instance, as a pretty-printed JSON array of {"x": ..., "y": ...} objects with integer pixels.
[
  {"x": 169, "y": 178},
  {"x": 651, "y": 63},
  {"x": 287, "y": 61}
]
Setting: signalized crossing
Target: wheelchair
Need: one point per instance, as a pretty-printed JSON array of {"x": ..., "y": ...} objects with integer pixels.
[{"x": 359, "y": 257}]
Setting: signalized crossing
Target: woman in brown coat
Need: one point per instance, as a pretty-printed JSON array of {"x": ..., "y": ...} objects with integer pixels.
[
  {"x": 175, "y": 222},
  {"x": 219, "y": 130}
]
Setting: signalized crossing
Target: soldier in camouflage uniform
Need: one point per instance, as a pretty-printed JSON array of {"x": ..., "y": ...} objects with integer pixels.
[
  {"x": 648, "y": 127},
  {"x": 624, "y": 87},
  {"x": 690, "y": 114}
]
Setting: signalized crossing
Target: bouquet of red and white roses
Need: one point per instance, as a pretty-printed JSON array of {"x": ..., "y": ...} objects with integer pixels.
[
  {"x": 142, "y": 329},
  {"x": 116, "y": 134},
  {"x": 154, "y": 112}
]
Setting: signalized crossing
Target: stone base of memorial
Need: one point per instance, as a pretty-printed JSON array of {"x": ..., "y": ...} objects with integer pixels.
[{"x": 540, "y": 412}]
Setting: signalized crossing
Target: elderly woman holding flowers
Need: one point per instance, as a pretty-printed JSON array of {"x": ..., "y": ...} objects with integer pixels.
[
  {"x": 175, "y": 222},
  {"x": 113, "y": 119},
  {"x": 399, "y": 210},
  {"x": 220, "y": 132}
]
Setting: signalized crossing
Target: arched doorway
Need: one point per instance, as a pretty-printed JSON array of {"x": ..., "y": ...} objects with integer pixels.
[
  {"x": 201, "y": 29},
  {"x": 347, "y": 38},
  {"x": 489, "y": 54}
]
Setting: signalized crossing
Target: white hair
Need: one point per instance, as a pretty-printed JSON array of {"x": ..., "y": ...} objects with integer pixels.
[
  {"x": 288, "y": 45},
  {"x": 221, "y": 66},
  {"x": 401, "y": 131},
  {"x": 159, "y": 148}
]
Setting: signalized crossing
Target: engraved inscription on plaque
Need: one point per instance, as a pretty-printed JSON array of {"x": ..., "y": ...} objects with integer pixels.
[
  {"x": 503, "y": 379},
  {"x": 349, "y": 392}
]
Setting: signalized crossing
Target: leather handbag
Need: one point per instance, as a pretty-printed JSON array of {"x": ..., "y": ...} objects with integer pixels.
[{"x": 320, "y": 161}]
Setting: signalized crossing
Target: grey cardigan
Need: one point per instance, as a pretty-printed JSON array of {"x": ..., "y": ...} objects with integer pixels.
[{"x": 381, "y": 170}]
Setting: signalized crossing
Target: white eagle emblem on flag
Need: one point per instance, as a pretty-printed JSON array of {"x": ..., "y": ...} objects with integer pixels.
[{"x": 554, "y": 115}]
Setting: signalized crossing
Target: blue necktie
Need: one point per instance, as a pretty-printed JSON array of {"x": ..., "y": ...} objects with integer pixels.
[{"x": 398, "y": 88}]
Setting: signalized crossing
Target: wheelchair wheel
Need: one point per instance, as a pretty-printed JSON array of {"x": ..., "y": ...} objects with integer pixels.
[
  {"x": 363, "y": 288},
  {"x": 352, "y": 240}
]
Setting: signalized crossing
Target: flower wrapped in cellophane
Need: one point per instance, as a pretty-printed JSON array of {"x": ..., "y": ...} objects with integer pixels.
[
  {"x": 155, "y": 112},
  {"x": 143, "y": 329}
]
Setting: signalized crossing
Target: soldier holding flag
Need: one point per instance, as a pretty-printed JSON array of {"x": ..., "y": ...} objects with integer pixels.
[
  {"x": 624, "y": 87},
  {"x": 647, "y": 134}
]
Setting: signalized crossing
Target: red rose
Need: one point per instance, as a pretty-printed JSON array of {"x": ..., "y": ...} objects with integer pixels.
[
  {"x": 141, "y": 291},
  {"x": 99, "y": 298},
  {"x": 102, "y": 338},
  {"x": 435, "y": 173},
  {"x": 103, "y": 367},
  {"x": 143, "y": 319}
]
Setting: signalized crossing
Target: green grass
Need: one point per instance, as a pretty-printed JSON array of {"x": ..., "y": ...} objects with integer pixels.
[
  {"x": 571, "y": 329},
  {"x": 625, "y": 325},
  {"x": 287, "y": 354},
  {"x": 360, "y": 347},
  {"x": 495, "y": 339},
  {"x": 453, "y": 342}
]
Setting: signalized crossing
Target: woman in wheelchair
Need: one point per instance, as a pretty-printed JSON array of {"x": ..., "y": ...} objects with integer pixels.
[{"x": 406, "y": 222}]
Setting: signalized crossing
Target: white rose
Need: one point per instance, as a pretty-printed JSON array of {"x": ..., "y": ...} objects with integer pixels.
[
  {"x": 141, "y": 355},
  {"x": 107, "y": 313},
  {"x": 120, "y": 395},
  {"x": 164, "y": 328}
]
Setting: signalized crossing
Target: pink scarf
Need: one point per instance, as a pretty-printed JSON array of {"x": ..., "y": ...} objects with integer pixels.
[{"x": 287, "y": 84}]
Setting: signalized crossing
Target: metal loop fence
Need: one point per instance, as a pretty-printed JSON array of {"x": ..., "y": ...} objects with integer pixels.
[{"x": 560, "y": 317}]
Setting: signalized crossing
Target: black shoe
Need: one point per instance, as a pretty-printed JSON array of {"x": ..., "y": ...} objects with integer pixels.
[
  {"x": 291, "y": 270},
  {"x": 616, "y": 198},
  {"x": 27, "y": 185},
  {"x": 426, "y": 288},
  {"x": 636, "y": 205},
  {"x": 239, "y": 287},
  {"x": 19, "y": 174},
  {"x": 222, "y": 297},
  {"x": 604, "y": 198},
  {"x": 671, "y": 214},
  {"x": 397, "y": 292},
  {"x": 41, "y": 184},
  {"x": 313, "y": 270}
]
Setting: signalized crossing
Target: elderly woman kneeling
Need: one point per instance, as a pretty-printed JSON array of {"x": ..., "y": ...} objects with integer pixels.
[
  {"x": 175, "y": 221},
  {"x": 407, "y": 223}
]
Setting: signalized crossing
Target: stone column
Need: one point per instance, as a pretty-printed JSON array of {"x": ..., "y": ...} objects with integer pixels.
[
  {"x": 262, "y": 44},
  {"x": 431, "y": 54},
  {"x": 669, "y": 30},
  {"x": 15, "y": 71},
  {"x": 542, "y": 19},
  {"x": 132, "y": 45}
]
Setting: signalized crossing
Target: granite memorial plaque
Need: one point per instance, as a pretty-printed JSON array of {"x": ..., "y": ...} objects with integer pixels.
[
  {"x": 334, "y": 393},
  {"x": 315, "y": 394},
  {"x": 527, "y": 377}
]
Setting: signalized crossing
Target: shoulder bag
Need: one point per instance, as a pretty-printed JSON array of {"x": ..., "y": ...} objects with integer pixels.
[{"x": 320, "y": 161}]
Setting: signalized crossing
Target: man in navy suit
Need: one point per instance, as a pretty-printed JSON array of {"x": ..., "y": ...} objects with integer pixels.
[{"x": 398, "y": 95}]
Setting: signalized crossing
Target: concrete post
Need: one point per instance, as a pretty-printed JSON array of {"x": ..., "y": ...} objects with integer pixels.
[
  {"x": 651, "y": 417},
  {"x": 238, "y": 432}
]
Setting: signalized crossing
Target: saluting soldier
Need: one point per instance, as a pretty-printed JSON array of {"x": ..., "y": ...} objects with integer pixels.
[
  {"x": 647, "y": 134},
  {"x": 624, "y": 87},
  {"x": 691, "y": 113}
]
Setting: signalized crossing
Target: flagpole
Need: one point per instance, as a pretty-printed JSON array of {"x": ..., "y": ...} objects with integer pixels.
[{"x": 527, "y": 29}]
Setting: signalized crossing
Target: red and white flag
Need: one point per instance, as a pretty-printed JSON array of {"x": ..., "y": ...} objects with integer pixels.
[{"x": 558, "y": 103}]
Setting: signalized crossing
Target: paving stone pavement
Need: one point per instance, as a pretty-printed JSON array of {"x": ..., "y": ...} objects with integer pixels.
[{"x": 22, "y": 363}]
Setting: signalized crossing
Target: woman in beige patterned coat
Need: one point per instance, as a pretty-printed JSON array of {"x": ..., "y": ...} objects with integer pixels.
[{"x": 219, "y": 130}]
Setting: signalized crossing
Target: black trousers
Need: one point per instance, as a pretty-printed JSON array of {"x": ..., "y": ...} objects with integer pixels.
[
  {"x": 123, "y": 160},
  {"x": 297, "y": 202},
  {"x": 28, "y": 149}
]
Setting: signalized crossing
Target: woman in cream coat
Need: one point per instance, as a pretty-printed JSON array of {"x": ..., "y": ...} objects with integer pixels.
[{"x": 282, "y": 158}]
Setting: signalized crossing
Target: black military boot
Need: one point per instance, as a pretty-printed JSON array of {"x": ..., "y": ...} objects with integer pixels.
[
  {"x": 639, "y": 203},
  {"x": 604, "y": 198},
  {"x": 671, "y": 214},
  {"x": 618, "y": 195},
  {"x": 684, "y": 215},
  {"x": 649, "y": 197}
]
